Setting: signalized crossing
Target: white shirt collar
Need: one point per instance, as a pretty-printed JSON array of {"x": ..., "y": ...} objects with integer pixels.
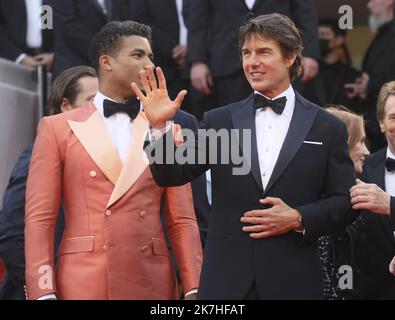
[
  {"x": 99, "y": 99},
  {"x": 290, "y": 104},
  {"x": 390, "y": 154}
]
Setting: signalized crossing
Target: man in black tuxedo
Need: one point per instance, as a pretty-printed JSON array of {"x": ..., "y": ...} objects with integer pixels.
[
  {"x": 378, "y": 67},
  {"x": 75, "y": 23},
  {"x": 212, "y": 40},
  {"x": 21, "y": 39},
  {"x": 375, "y": 193},
  {"x": 264, "y": 223}
]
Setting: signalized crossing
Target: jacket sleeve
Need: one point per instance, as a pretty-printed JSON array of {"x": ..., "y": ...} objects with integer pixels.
[
  {"x": 43, "y": 198},
  {"x": 183, "y": 233}
]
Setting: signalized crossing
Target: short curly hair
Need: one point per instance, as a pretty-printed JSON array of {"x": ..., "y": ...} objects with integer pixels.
[{"x": 109, "y": 39}]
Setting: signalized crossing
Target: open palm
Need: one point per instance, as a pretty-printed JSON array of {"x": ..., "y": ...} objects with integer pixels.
[{"x": 158, "y": 107}]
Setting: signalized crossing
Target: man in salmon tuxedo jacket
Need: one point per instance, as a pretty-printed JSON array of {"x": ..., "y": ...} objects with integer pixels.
[{"x": 92, "y": 160}]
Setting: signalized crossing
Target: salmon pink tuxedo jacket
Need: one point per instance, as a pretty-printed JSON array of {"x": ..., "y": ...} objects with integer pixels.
[{"x": 113, "y": 245}]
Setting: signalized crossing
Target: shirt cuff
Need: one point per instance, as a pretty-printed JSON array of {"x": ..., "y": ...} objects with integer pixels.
[
  {"x": 155, "y": 134},
  {"x": 50, "y": 296},
  {"x": 193, "y": 291},
  {"x": 20, "y": 58}
]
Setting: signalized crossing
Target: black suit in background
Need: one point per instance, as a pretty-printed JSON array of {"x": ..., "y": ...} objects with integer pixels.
[
  {"x": 379, "y": 64},
  {"x": 378, "y": 246},
  {"x": 13, "y": 30},
  {"x": 313, "y": 178},
  {"x": 12, "y": 226},
  {"x": 161, "y": 16},
  {"x": 328, "y": 86},
  {"x": 213, "y": 38},
  {"x": 75, "y": 23}
]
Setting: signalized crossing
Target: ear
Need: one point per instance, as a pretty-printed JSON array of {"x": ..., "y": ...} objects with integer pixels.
[
  {"x": 105, "y": 63},
  {"x": 382, "y": 128},
  {"x": 290, "y": 61},
  {"x": 65, "y": 105}
]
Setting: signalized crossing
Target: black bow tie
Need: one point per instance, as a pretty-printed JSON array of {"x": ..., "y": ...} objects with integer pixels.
[
  {"x": 277, "y": 105},
  {"x": 131, "y": 108},
  {"x": 390, "y": 164}
]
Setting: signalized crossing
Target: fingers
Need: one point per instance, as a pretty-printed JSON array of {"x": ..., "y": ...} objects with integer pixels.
[
  {"x": 152, "y": 80},
  {"x": 359, "y": 199},
  {"x": 161, "y": 79},
  {"x": 137, "y": 91},
  {"x": 144, "y": 81},
  {"x": 271, "y": 200},
  {"x": 180, "y": 98},
  {"x": 255, "y": 213}
]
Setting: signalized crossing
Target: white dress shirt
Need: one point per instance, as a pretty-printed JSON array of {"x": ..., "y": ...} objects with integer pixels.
[
  {"x": 271, "y": 130},
  {"x": 103, "y": 6},
  {"x": 34, "y": 37},
  {"x": 390, "y": 177},
  {"x": 250, "y": 3},
  {"x": 183, "y": 28},
  {"x": 119, "y": 126}
]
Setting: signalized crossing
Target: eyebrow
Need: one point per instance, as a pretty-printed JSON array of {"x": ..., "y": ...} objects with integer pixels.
[{"x": 142, "y": 51}]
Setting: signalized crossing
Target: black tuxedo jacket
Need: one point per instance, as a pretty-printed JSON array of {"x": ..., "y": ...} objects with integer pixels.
[
  {"x": 161, "y": 16},
  {"x": 214, "y": 28},
  {"x": 75, "y": 23},
  {"x": 378, "y": 244},
  {"x": 13, "y": 29},
  {"x": 314, "y": 178}
]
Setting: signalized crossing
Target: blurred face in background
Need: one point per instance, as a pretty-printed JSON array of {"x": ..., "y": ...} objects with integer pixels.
[
  {"x": 87, "y": 89},
  {"x": 387, "y": 125},
  {"x": 380, "y": 13},
  {"x": 358, "y": 153},
  {"x": 328, "y": 40}
]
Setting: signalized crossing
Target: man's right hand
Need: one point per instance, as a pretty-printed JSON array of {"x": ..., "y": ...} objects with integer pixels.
[
  {"x": 158, "y": 107},
  {"x": 392, "y": 266},
  {"x": 30, "y": 61},
  {"x": 201, "y": 78}
]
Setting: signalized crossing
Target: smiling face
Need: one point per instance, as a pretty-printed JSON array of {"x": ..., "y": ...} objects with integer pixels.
[
  {"x": 264, "y": 65},
  {"x": 358, "y": 154},
  {"x": 387, "y": 124}
]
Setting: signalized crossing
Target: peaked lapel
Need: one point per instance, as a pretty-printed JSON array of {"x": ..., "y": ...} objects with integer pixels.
[
  {"x": 376, "y": 174},
  {"x": 136, "y": 161},
  {"x": 301, "y": 123},
  {"x": 97, "y": 142},
  {"x": 243, "y": 117}
]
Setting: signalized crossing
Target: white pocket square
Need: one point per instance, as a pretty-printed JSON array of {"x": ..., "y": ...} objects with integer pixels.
[{"x": 318, "y": 143}]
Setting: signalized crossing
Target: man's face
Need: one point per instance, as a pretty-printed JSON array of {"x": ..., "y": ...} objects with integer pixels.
[
  {"x": 387, "y": 125},
  {"x": 134, "y": 55},
  {"x": 379, "y": 12},
  {"x": 264, "y": 65}
]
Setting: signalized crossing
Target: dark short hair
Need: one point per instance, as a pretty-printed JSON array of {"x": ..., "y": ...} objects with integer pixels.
[
  {"x": 281, "y": 29},
  {"x": 386, "y": 91},
  {"x": 66, "y": 85},
  {"x": 109, "y": 39},
  {"x": 333, "y": 24}
]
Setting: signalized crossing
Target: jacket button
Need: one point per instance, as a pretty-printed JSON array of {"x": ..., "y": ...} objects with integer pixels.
[
  {"x": 108, "y": 213},
  {"x": 93, "y": 174},
  {"x": 143, "y": 214},
  {"x": 144, "y": 248}
]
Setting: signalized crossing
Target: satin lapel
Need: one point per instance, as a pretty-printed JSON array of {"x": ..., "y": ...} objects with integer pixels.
[
  {"x": 376, "y": 174},
  {"x": 301, "y": 122},
  {"x": 95, "y": 139},
  {"x": 243, "y": 117},
  {"x": 136, "y": 160}
]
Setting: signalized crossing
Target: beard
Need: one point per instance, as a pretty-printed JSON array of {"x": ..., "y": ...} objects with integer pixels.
[{"x": 376, "y": 22}]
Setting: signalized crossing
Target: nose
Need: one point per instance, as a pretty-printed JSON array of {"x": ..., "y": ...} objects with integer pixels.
[
  {"x": 253, "y": 60},
  {"x": 366, "y": 151},
  {"x": 148, "y": 64}
]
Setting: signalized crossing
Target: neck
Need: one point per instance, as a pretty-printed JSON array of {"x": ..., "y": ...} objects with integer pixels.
[
  {"x": 115, "y": 93},
  {"x": 272, "y": 93}
]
